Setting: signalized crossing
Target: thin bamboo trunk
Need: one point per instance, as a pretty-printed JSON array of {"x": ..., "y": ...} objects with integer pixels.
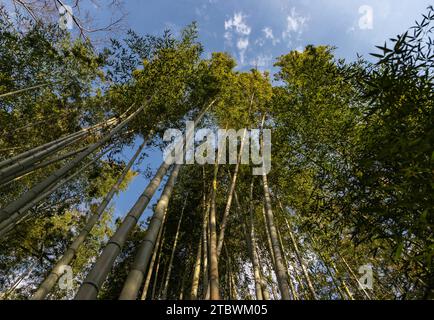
[
  {"x": 18, "y": 216},
  {"x": 7, "y": 94},
  {"x": 224, "y": 221},
  {"x": 270, "y": 279},
  {"x": 151, "y": 265},
  {"x": 205, "y": 272},
  {"x": 5, "y": 295},
  {"x": 135, "y": 276},
  {"x": 172, "y": 254},
  {"x": 353, "y": 275},
  {"x": 14, "y": 206},
  {"x": 29, "y": 153},
  {"x": 213, "y": 268},
  {"x": 251, "y": 243},
  {"x": 160, "y": 289},
  {"x": 69, "y": 254},
  {"x": 267, "y": 234},
  {"x": 291, "y": 285},
  {"x": 32, "y": 168},
  {"x": 197, "y": 265},
  {"x": 301, "y": 261},
  {"x": 19, "y": 166},
  {"x": 181, "y": 289},
  {"x": 154, "y": 285},
  {"x": 279, "y": 267},
  {"x": 265, "y": 293}
]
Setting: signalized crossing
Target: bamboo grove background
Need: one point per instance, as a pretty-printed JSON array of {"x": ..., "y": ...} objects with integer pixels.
[{"x": 351, "y": 182}]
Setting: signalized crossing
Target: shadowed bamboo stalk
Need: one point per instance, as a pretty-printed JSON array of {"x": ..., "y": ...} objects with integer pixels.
[
  {"x": 18, "y": 216},
  {"x": 16, "y": 205},
  {"x": 214, "y": 291},
  {"x": 25, "y": 154},
  {"x": 249, "y": 230},
  {"x": 301, "y": 261},
  {"x": 159, "y": 244},
  {"x": 35, "y": 166},
  {"x": 14, "y": 170},
  {"x": 205, "y": 266},
  {"x": 285, "y": 260},
  {"x": 37, "y": 149},
  {"x": 172, "y": 254},
  {"x": 265, "y": 291},
  {"x": 279, "y": 267},
  {"x": 135, "y": 276},
  {"x": 267, "y": 234},
  {"x": 157, "y": 269},
  {"x": 224, "y": 220},
  {"x": 69, "y": 254},
  {"x": 202, "y": 241}
]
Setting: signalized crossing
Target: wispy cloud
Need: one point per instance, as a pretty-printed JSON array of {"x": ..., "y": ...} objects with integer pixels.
[
  {"x": 268, "y": 32},
  {"x": 295, "y": 25},
  {"x": 237, "y": 27},
  {"x": 238, "y": 23}
]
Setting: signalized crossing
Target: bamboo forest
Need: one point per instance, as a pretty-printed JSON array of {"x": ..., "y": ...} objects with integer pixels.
[{"x": 343, "y": 210}]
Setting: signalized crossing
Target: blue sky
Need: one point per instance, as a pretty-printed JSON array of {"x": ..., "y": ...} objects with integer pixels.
[{"x": 256, "y": 32}]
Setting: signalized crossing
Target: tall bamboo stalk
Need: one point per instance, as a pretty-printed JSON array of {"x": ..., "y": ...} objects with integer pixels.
[
  {"x": 135, "y": 276},
  {"x": 151, "y": 265},
  {"x": 47, "y": 145},
  {"x": 224, "y": 220},
  {"x": 157, "y": 268},
  {"x": 35, "y": 166},
  {"x": 285, "y": 260},
  {"x": 213, "y": 267},
  {"x": 172, "y": 254},
  {"x": 14, "y": 206},
  {"x": 14, "y": 170},
  {"x": 301, "y": 260},
  {"x": 7, "y": 94},
  {"x": 353, "y": 275},
  {"x": 12, "y": 221},
  {"x": 279, "y": 267},
  {"x": 197, "y": 265},
  {"x": 69, "y": 254}
]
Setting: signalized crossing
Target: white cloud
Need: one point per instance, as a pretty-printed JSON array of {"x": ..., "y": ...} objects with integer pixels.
[
  {"x": 238, "y": 24},
  {"x": 242, "y": 45},
  {"x": 237, "y": 32},
  {"x": 295, "y": 24},
  {"x": 260, "y": 42},
  {"x": 268, "y": 33},
  {"x": 228, "y": 38}
]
